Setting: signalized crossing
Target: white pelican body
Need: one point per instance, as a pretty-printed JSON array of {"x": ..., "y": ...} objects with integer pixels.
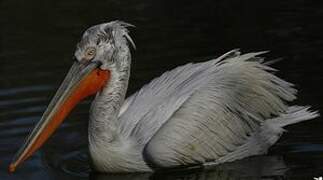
[{"x": 205, "y": 113}]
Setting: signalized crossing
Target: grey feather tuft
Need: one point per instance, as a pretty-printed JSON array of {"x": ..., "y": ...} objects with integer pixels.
[{"x": 123, "y": 27}]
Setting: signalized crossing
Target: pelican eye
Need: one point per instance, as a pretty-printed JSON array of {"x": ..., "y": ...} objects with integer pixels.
[{"x": 90, "y": 53}]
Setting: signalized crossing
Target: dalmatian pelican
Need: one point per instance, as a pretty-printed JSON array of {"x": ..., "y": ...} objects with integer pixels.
[{"x": 205, "y": 113}]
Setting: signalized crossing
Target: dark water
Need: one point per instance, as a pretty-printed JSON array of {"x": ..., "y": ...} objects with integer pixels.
[{"x": 38, "y": 39}]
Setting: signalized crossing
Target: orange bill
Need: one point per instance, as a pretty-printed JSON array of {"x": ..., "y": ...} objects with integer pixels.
[{"x": 83, "y": 80}]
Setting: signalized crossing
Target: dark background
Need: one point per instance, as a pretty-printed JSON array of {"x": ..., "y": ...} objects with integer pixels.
[{"x": 37, "y": 41}]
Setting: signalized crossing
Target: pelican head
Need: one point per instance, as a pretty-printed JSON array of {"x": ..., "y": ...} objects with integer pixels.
[
  {"x": 102, "y": 47},
  {"x": 102, "y": 43}
]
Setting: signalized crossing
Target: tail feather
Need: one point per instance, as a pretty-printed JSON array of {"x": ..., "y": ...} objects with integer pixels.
[
  {"x": 294, "y": 114},
  {"x": 268, "y": 134}
]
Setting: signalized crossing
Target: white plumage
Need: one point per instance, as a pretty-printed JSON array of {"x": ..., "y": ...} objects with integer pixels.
[
  {"x": 200, "y": 113},
  {"x": 211, "y": 112}
]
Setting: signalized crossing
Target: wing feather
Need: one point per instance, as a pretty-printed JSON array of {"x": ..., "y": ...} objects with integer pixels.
[
  {"x": 201, "y": 112},
  {"x": 145, "y": 111}
]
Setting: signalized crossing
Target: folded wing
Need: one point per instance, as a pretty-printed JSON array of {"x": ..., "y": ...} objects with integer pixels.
[{"x": 201, "y": 112}]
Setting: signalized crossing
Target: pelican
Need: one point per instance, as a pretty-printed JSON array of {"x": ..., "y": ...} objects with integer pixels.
[{"x": 205, "y": 113}]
